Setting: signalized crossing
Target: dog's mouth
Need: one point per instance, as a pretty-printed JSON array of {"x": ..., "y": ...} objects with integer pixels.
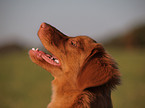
[{"x": 51, "y": 59}]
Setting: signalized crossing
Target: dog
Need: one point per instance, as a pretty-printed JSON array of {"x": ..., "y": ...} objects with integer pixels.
[{"x": 84, "y": 73}]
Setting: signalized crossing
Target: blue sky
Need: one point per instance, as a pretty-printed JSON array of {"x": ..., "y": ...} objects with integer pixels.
[{"x": 20, "y": 19}]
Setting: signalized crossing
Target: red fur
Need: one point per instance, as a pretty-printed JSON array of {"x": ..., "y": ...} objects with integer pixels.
[{"x": 86, "y": 74}]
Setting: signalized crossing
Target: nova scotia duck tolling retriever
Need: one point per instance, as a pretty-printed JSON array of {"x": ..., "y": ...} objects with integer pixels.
[{"x": 84, "y": 73}]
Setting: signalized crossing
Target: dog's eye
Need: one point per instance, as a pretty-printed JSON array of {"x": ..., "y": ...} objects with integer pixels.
[{"x": 74, "y": 43}]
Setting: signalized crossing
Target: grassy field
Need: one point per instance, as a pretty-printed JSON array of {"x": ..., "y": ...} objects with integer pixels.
[{"x": 26, "y": 85}]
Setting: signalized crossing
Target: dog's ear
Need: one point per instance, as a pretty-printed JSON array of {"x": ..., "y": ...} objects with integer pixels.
[{"x": 97, "y": 69}]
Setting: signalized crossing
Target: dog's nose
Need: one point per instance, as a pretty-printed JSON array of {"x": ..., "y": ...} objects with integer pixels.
[{"x": 44, "y": 25}]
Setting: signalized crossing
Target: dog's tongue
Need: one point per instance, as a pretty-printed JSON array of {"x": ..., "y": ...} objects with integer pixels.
[
  {"x": 51, "y": 59},
  {"x": 48, "y": 58}
]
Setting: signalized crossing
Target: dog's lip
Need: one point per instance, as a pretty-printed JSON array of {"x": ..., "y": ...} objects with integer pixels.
[{"x": 51, "y": 59}]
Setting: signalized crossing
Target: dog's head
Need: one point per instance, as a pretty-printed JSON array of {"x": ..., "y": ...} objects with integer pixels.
[{"x": 80, "y": 59}]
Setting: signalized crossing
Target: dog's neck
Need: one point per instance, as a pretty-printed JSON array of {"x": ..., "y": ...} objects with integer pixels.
[
  {"x": 96, "y": 97},
  {"x": 64, "y": 94}
]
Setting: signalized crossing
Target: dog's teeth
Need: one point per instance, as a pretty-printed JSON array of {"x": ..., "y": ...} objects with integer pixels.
[
  {"x": 33, "y": 49},
  {"x": 52, "y": 58},
  {"x": 56, "y": 61}
]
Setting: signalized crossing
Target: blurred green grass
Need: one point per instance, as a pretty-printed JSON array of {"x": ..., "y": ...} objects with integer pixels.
[{"x": 23, "y": 84}]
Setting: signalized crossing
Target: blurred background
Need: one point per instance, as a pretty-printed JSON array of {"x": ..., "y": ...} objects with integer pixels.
[{"x": 118, "y": 25}]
